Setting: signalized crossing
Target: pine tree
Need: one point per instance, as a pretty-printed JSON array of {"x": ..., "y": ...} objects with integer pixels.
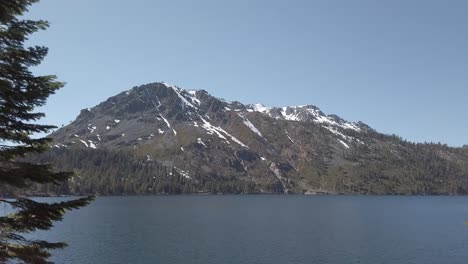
[{"x": 20, "y": 93}]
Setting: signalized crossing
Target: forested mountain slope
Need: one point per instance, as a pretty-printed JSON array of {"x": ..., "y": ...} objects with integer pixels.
[{"x": 158, "y": 138}]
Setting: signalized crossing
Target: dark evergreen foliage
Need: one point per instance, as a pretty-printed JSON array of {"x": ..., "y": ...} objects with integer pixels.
[
  {"x": 20, "y": 93},
  {"x": 104, "y": 172},
  {"x": 416, "y": 170}
]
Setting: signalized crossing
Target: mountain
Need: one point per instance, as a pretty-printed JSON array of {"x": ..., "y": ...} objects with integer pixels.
[{"x": 159, "y": 138}]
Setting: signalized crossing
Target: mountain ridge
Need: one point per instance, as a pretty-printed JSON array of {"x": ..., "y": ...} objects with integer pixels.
[{"x": 293, "y": 149}]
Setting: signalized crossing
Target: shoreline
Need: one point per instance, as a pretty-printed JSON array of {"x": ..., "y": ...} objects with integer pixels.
[{"x": 227, "y": 194}]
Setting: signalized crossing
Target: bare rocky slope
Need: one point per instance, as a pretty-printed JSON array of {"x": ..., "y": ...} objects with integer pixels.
[{"x": 189, "y": 141}]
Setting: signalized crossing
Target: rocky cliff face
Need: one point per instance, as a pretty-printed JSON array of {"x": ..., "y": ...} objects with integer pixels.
[{"x": 296, "y": 149}]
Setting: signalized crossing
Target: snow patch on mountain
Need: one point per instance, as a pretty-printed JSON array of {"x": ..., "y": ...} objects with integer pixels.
[
  {"x": 343, "y": 143},
  {"x": 157, "y": 110},
  {"x": 84, "y": 143},
  {"x": 193, "y": 97},
  {"x": 258, "y": 108},
  {"x": 219, "y": 132},
  {"x": 165, "y": 121},
  {"x": 212, "y": 130},
  {"x": 199, "y": 141},
  {"x": 344, "y": 137},
  {"x": 251, "y": 126},
  {"x": 338, "y": 133},
  {"x": 290, "y": 114},
  {"x": 303, "y": 113},
  {"x": 91, "y": 128},
  {"x": 290, "y": 139},
  {"x": 178, "y": 92},
  {"x": 234, "y": 139},
  {"x": 92, "y": 145},
  {"x": 184, "y": 174}
]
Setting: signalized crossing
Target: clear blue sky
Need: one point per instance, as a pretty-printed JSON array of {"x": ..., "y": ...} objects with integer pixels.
[{"x": 400, "y": 66}]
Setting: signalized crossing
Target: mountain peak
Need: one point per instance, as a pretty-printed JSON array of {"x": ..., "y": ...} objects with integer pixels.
[
  {"x": 258, "y": 107},
  {"x": 290, "y": 148},
  {"x": 168, "y": 107}
]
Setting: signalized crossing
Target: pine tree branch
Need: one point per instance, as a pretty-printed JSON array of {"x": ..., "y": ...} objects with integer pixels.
[{"x": 20, "y": 93}]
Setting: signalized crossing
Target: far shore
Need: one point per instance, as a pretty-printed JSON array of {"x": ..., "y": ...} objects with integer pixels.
[{"x": 223, "y": 194}]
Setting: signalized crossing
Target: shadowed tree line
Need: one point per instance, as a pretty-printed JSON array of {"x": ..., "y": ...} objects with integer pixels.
[{"x": 105, "y": 172}]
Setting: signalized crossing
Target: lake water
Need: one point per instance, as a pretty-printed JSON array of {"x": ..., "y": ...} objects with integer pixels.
[{"x": 265, "y": 229}]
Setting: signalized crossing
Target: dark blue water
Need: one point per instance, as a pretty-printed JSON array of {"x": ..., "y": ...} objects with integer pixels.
[{"x": 266, "y": 229}]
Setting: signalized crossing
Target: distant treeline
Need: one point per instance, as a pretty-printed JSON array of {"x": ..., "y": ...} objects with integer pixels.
[
  {"x": 413, "y": 169},
  {"x": 105, "y": 172},
  {"x": 409, "y": 168}
]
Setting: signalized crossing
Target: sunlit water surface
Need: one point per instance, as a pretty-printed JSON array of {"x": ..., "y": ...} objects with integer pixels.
[{"x": 265, "y": 229}]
